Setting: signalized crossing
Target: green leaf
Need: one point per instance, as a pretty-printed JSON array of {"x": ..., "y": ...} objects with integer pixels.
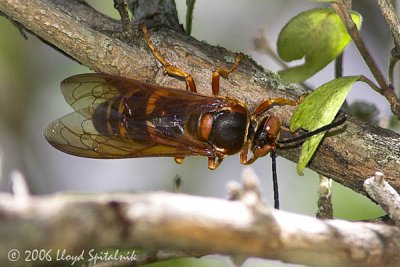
[
  {"x": 319, "y": 109},
  {"x": 318, "y": 36}
]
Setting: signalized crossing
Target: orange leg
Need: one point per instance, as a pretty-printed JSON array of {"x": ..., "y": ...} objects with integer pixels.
[
  {"x": 179, "y": 160},
  {"x": 214, "y": 162},
  {"x": 169, "y": 68},
  {"x": 261, "y": 152},
  {"x": 245, "y": 161},
  {"x": 216, "y": 74},
  {"x": 243, "y": 156},
  {"x": 266, "y": 104}
]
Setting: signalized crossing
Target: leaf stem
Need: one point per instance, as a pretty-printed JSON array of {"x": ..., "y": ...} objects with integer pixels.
[
  {"x": 339, "y": 66},
  {"x": 370, "y": 83}
]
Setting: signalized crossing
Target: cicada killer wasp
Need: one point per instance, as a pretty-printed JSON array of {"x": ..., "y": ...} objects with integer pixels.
[{"x": 123, "y": 118}]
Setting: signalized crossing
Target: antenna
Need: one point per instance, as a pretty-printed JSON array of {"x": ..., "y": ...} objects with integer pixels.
[
  {"x": 315, "y": 132},
  {"x": 295, "y": 140}
]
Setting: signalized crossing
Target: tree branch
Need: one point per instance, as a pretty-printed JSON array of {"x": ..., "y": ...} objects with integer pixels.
[
  {"x": 155, "y": 13},
  {"x": 186, "y": 223},
  {"x": 384, "y": 195},
  {"x": 355, "y": 152}
]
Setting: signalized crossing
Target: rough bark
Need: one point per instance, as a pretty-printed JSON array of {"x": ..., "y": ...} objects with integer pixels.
[
  {"x": 89, "y": 37},
  {"x": 349, "y": 156}
]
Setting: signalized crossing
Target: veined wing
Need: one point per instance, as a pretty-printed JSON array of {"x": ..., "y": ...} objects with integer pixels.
[
  {"x": 90, "y": 89},
  {"x": 75, "y": 134},
  {"x": 118, "y": 118}
]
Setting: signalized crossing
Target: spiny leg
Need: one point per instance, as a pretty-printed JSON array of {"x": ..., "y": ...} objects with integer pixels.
[
  {"x": 216, "y": 74},
  {"x": 168, "y": 67}
]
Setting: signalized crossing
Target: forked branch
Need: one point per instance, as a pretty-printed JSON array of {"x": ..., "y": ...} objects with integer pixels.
[{"x": 386, "y": 89}]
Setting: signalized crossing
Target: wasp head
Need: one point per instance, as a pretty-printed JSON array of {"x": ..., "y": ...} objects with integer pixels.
[{"x": 266, "y": 136}]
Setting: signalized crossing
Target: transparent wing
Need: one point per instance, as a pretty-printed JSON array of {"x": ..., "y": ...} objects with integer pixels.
[
  {"x": 75, "y": 134},
  {"x": 151, "y": 109},
  {"x": 90, "y": 89}
]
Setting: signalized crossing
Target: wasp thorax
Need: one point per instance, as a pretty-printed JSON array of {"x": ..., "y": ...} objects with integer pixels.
[{"x": 229, "y": 129}]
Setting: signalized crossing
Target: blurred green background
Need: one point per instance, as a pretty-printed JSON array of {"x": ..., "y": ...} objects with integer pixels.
[{"x": 30, "y": 73}]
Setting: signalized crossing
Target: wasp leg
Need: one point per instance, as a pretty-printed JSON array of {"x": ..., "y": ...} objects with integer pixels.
[
  {"x": 244, "y": 153},
  {"x": 214, "y": 162},
  {"x": 169, "y": 68},
  {"x": 216, "y": 74},
  {"x": 266, "y": 104},
  {"x": 244, "y": 160},
  {"x": 256, "y": 154},
  {"x": 179, "y": 160}
]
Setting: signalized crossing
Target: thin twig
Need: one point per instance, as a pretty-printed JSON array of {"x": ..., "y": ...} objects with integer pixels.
[
  {"x": 155, "y": 13},
  {"x": 263, "y": 45},
  {"x": 381, "y": 191},
  {"x": 19, "y": 186},
  {"x": 342, "y": 9},
  {"x": 121, "y": 7},
  {"x": 393, "y": 23},
  {"x": 325, "y": 210},
  {"x": 392, "y": 64}
]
